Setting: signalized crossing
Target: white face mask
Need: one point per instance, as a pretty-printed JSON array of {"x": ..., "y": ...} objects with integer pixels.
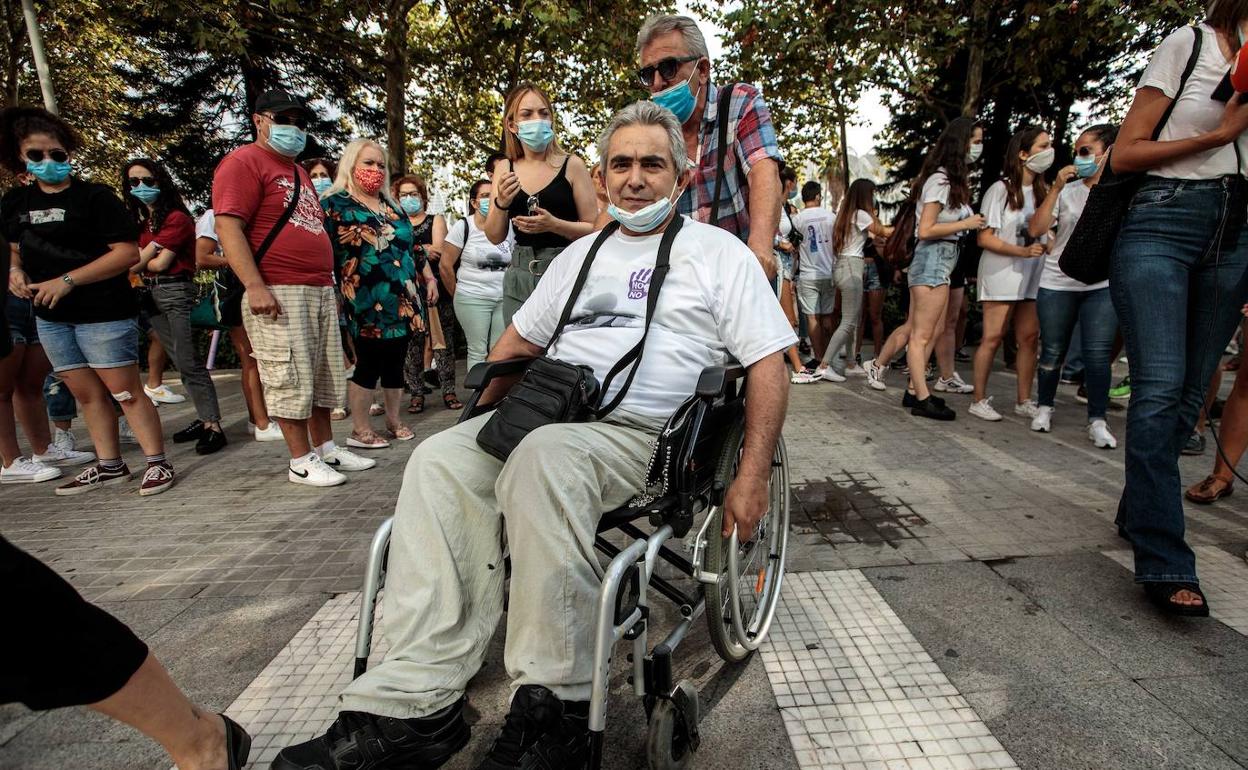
[
  {"x": 1041, "y": 161},
  {"x": 977, "y": 149}
]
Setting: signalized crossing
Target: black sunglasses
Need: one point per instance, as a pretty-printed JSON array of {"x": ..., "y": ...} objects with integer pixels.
[
  {"x": 298, "y": 122},
  {"x": 36, "y": 156},
  {"x": 666, "y": 68},
  {"x": 135, "y": 181},
  {"x": 1085, "y": 151}
]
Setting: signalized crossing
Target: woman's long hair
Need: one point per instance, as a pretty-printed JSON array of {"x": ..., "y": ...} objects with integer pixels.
[
  {"x": 511, "y": 143},
  {"x": 170, "y": 198},
  {"x": 344, "y": 178},
  {"x": 949, "y": 153},
  {"x": 1012, "y": 171},
  {"x": 1225, "y": 16},
  {"x": 861, "y": 197}
]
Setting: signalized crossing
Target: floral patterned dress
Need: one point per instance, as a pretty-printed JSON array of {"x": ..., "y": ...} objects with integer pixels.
[{"x": 378, "y": 267}]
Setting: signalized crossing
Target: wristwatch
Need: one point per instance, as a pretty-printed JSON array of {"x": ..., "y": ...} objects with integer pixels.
[{"x": 68, "y": 280}]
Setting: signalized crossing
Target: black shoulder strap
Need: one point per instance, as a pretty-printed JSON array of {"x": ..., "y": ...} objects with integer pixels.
[
  {"x": 580, "y": 280},
  {"x": 722, "y": 117},
  {"x": 1187, "y": 73},
  {"x": 258, "y": 254},
  {"x": 465, "y": 233}
]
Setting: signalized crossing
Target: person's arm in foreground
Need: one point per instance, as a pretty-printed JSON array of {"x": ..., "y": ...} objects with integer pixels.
[
  {"x": 510, "y": 345},
  {"x": 766, "y": 400}
]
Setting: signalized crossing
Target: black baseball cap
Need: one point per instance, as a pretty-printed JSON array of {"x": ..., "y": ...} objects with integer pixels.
[{"x": 281, "y": 101}]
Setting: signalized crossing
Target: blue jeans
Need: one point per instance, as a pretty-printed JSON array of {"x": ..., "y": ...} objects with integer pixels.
[
  {"x": 1073, "y": 368},
  {"x": 101, "y": 345},
  {"x": 1059, "y": 312},
  {"x": 1178, "y": 298}
]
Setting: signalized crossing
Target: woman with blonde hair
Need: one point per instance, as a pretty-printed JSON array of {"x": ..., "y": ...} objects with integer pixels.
[
  {"x": 544, "y": 192},
  {"x": 378, "y": 271}
]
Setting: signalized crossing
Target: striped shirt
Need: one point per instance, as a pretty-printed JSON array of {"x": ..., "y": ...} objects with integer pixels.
[{"x": 753, "y": 139}]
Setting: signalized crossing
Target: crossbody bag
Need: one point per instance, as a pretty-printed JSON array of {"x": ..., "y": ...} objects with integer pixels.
[{"x": 230, "y": 292}]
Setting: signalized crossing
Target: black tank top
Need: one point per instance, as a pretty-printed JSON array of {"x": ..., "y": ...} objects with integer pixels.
[
  {"x": 422, "y": 234},
  {"x": 556, "y": 198}
]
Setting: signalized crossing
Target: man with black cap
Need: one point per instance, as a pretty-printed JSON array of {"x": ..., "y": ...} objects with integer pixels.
[{"x": 270, "y": 226}]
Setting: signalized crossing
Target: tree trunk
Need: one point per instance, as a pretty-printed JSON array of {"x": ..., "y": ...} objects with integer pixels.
[
  {"x": 972, "y": 91},
  {"x": 840, "y": 123},
  {"x": 1061, "y": 127},
  {"x": 15, "y": 27},
  {"x": 394, "y": 59}
]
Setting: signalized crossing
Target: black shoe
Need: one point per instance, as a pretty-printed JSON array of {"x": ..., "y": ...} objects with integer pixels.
[
  {"x": 192, "y": 432},
  {"x": 909, "y": 400},
  {"x": 541, "y": 732},
  {"x": 812, "y": 364},
  {"x": 961, "y": 355},
  {"x": 932, "y": 410},
  {"x": 210, "y": 441},
  {"x": 359, "y": 741},
  {"x": 431, "y": 378}
]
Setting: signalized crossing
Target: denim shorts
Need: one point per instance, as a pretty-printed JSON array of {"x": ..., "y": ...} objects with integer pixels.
[
  {"x": 102, "y": 345},
  {"x": 871, "y": 276},
  {"x": 933, "y": 263},
  {"x": 21, "y": 317}
]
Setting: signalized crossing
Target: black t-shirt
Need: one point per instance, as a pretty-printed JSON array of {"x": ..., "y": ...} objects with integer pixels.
[{"x": 83, "y": 218}]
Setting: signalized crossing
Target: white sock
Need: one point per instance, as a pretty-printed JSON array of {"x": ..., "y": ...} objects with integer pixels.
[
  {"x": 299, "y": 462},
  {"x": 326, "y": 448}
]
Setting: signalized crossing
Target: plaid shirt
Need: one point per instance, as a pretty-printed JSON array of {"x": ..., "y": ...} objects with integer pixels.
[{"x": 753, "y": 139}]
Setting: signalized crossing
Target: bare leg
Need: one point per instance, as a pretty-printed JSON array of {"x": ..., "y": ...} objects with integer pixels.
[
  {"x": 10, "y": 366},
  {"x": 895, "y": 342},
  {"x": 296, "y": 434},
  {"x": 28, "y": 405},
  {"x": 946, "y": 343},
  {"x": 927, "y": 305},
  {"x": 875, "y": 312},
  {"x": 139, "y": 410},
  {"x": 360, "y": 399},
  {"x": 963, "y": 313},
  {"x": 1234, "y": 433},
  {"x": 996, "y": 318},
  {"x": 97, "y": 410},
  {"x": 1027, "y": 334},
  {"x": 320, "y": 429},
  {"x": 390, "y": 398},
  {"x": 253, "y": 391},
  {"x": 157, "y": 361}
]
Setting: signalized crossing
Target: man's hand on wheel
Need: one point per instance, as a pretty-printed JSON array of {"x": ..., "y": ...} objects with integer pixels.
[{"x": 744, "y": 506}]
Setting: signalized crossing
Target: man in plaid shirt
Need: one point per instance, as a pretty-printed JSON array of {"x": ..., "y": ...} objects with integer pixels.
[{"x": 676, "y": 68}]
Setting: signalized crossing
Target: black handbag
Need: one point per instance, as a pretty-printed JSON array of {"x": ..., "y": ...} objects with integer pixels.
[
  {"x": 230, "y": 295},
  {"x": 1087, "y": 253},
  {"x": 553, "y": 391}
]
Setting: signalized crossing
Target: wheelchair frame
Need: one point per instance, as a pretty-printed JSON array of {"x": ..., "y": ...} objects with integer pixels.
[{"x": 694, "y": 486}]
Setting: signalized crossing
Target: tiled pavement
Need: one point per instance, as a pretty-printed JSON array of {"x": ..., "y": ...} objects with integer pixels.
[{"x": 964, "y": 558}]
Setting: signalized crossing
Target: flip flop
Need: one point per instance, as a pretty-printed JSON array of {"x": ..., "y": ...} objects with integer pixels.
[
  {"x": 1162, "y": 594},
  {"x": 237, "y": 744},
  {"x": 1204, "y": 494}
]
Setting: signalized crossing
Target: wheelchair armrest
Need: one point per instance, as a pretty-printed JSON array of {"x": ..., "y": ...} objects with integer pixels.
[
  {"x": 714, "y": 379},
  {"x": 480, "y": 375}
]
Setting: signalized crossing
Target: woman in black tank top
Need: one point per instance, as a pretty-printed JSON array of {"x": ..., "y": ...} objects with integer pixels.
[{"x": 547, "y": 212}]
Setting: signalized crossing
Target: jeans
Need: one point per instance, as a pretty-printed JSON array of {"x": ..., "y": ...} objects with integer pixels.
[
  {"x": 1178, "y": 298},
  {"x": 933, "y": 263},
  {"x": 100, "y": 345},
  {"x": 60, "y": 402},
  {"x": 1060, "y": 312},
  {"x": 1073, "y": 368},
  {"x": 847, "y": 275},
  {"x": 482, "y": 321},
  {"x": 173, "y": 326}
]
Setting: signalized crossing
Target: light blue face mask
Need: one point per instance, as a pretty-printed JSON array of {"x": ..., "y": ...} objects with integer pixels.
[
  {"x": 146, "y": 194},
  {"x": 483, "y": 206},
  {"x": 287, "y": 140},
  {"x": 535, "y": 134},
  {"x": 680, "y": 98},
  {"x": 644, "y": 219},
  {"x": 411, "y": 204},
  {"x": 321, "y": 184},
  {"x": 50, "y": 171},
  {"x": 1086, "y": 166}
]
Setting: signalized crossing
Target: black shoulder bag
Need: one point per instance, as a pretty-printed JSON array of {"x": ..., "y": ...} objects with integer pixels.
[
  {"x": 725, "y": 102},
  {"x": 553, "y": 391},
  {"x": 1087, "y": 253},
  {"x": 230, "y": 299}
]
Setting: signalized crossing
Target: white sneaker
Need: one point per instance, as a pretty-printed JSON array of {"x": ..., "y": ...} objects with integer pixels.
[
  {"x": 376, "y": 409},
  {"x": 314, "y": 473},
  {"x": 830, "y": 374},
  {"x": 57, "y": 456},
  {"x": 954, "y": 384},
  {"x": 342, "y": 460},
  {"x": 984, "y": 411},
  {"x": 1043, "y": 421},
  {"x": 124, "y": 434},
  {"x": 1026, "y": 409},
  {"x": 855, "y": 370},
  {"x": 64, "y": 439},
  {"x": 802, "y": 378},
  {"x": 271, "y": 433},
  {"x": 1098, "y": 434},
  {"x": 25, "y": 471},
  {"x": 162, "y": 395},
  {"x": 875, "y": 374}
]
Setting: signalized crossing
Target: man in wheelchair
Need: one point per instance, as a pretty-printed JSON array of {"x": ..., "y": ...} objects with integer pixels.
[{"x": 444, "y": 594}]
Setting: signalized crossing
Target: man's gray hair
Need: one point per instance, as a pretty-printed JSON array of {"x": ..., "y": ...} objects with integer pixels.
[
  {"x": 663, "y": 23},
  {"x": 645, "y": 113}
]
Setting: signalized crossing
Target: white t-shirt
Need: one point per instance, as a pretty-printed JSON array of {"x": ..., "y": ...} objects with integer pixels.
[
  {"x": 858, "y": 235},
  {"x": 1194, "y": 113},
  {"x": 936, "y": 190},
  {"x": 817, "y": 257},
  {"x": 1066, "y": 212},
  {"x": 715, "y": 305},
  {"x": 481, "y": 263},
  {"x": 1003, "y": 277},
  {"x": 206, "y": 225}
]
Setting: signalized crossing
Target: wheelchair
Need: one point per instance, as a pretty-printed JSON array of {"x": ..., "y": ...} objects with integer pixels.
[{"x": 736, "y": 585}]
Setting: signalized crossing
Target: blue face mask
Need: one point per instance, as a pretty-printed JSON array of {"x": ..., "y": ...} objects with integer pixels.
[
  {"x": 49, "y": 171},
  {"x": 680, "y": 98},
  {"x": 1086, "y": 166},
  {"x": 411, "y": 204},
  {"x": 287, "y": 140},
  {"x": 644, "y": 219},
  {"x": 535, "y": 134},
  {"x": 146, "y": 194},
  {"x": 321, "y": 184},
  {"x": 483, "y": 206}
]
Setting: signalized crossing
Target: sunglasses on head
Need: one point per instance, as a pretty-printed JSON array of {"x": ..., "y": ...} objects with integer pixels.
[
  {"x": 298, "y": 121},
  {"x": 666, "y": 68},
  {"x": 135, "y": 181},
  {"x": 36, "y": 156}
]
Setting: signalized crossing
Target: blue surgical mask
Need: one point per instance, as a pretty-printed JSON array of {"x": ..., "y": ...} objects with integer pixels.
[
  {"x": 146, "y": 194},
  {"x": 287, "y": 140},
  {"x": 411, "y": 204},
  {"x": 645, "y": 219},
  {"x": 680, "y": 98},
  {"x": 1086, "y": 166},
  {"x": 535, "y": 134},
  {"x": 322, "y": 184},
  {"x": 483, "y": 206},
  {"x": 49, "y": 171}
]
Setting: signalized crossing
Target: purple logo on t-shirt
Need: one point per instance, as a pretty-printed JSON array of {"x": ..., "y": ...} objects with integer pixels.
[{"x": 639, "y": 283}]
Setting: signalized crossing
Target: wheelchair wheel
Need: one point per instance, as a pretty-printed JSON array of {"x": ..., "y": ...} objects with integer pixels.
[
  {"x": 741, "y": 604},
  {"x": 667, "y": 738}
]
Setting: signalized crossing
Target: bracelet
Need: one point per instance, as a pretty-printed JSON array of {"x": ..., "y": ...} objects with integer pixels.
[
  {"x": 68, "y": 280},
  {"x": 16, "y": 270}
]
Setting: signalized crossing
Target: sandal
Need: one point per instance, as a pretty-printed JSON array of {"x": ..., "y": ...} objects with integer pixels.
[
  {"x": 1208, "y": 491},
  {"x": 1162, "y": 594},
  {"x": 366, "y": 440},
  {"x": 237, "y": 744},
  {"x": 451, "y": 401},
  {"x": 417, "y": 406},
  {"x": 376, "y": 409},
  {"x": 401, "y": 433}
]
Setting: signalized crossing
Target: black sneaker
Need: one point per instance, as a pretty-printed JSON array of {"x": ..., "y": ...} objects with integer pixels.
[
  {"x": 210, "y": 441},
  {"x": 191, "y": 432},
  {"x": 541, "y": 732},
  {"x": 909, "y": 400},
  {"x": 961, "y": 355},
  {"x": 431, "y": 379},
  {"x": 932, "y": 410},
  {"x": 359, "y": 741}
]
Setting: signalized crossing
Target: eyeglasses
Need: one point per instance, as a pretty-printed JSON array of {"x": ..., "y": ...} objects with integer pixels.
[
  {"x": 135, "y": 181},
  {"x": 666, "y": 68},
  {"x": 298, "y": 122},
  {"x": 36, "y": 156}
]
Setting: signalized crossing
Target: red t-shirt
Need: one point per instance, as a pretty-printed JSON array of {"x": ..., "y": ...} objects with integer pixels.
[
  {"x": 255, "y": 185},
  {"x": 176, "y": 233}
]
